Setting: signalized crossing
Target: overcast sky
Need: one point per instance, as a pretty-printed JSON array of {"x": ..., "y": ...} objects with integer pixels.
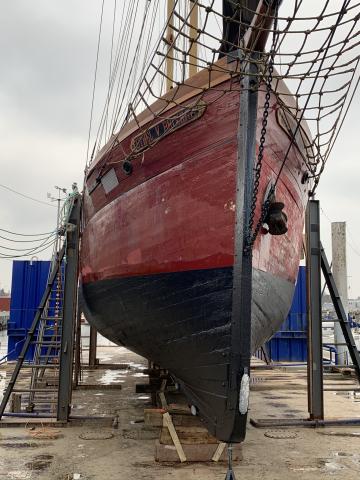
[{"x": 47, "y": 54}]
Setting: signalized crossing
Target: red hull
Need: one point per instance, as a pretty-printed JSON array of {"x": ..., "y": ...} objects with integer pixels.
[{"x": 176, "y": 211}]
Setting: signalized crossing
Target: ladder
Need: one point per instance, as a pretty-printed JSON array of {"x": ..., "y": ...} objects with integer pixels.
[
  {"x": 44, "y": 383},
  {"x": 47, "y": 349}
]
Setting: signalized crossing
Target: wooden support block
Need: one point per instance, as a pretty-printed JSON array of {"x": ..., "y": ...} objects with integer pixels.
[
  {"x": 179, "y": 449},
  {"x": 99, "y": 386},
  {"x": 154, "y": 417},
  {"x": 155, "y": 372},
  {"x": 146, "y": 387},
  {"x": 188, "y": 436},
  {"x": 179, "y": 408},
  {"x": 194, "y": 453},
  {"x": 108, "y": 366},
  {"x": 15, "y": 403}
]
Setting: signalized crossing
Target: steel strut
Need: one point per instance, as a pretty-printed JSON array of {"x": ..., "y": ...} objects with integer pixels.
[{"x": 230, "y": 475}]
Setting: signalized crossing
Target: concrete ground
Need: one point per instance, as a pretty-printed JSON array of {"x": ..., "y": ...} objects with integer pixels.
[{"x": 99, "y": 451}]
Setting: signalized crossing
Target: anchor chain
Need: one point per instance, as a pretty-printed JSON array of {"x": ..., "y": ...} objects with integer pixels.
[{"x": 258, "y": 168}]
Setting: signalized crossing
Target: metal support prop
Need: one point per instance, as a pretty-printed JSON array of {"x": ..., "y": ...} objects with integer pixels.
[
  {"x": 339, "y": 271},
  {"x": 316, "y": 262},
  {"x": 340, "y": 312},
  {"x": 239, "y": 378},
  {"x": 92, "y": 346},
  {"x": 77, "y": 362},
  {"x": 313, "y": 277},
  {"x": 31, "y": 332},
  {"x": 69, "y": 311}
]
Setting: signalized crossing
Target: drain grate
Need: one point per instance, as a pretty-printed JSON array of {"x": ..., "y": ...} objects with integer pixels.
[{"x": 280, "y": 434}]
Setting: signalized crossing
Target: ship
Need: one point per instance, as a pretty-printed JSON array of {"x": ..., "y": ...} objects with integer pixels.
[{"x": 165, "y": 249}]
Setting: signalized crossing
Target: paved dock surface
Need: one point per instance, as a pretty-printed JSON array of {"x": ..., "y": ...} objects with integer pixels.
[{"x": 96, "y": 450}]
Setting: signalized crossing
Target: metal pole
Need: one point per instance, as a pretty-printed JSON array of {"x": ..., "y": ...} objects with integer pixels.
[
  {"x": 69, "y": 311},
  {"x": 313, "y": 276},
  {"x": 77, "y": 363},
  {"x": 338, "y": 240},
  {"x": 92, "y": 346}
]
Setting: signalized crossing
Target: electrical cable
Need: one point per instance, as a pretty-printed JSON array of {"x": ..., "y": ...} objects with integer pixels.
[
  {"x": 23, "y": 241},
  {"x": 28, "y": 234},
  {"x": 32, "y": 254},
  {"x": 33, "y": 251},
  {"x": 26, "y": 196}
]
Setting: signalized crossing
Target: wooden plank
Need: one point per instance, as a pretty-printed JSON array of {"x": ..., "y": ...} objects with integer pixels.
[
  {"x": 13, "y": 422},
  {"x": 99, "y": 386},
  {"x": 163, "y": 400},
  {"x": 15, "y": 403},
  {"x": 218, "y": 452},
  {"x": 107, "y": 366},
  {"x": 175, "y": 439}
]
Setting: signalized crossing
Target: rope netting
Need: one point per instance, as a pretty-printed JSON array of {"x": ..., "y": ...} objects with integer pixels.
[{"x": 313, "y": 46}]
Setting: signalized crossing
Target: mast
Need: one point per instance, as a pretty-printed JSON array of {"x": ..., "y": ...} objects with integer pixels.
[
  {"x": 194, "y": 23},
  {"x": 170, "y": 40}
]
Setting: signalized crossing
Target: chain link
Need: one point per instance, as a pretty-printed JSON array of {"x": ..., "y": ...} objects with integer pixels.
[{"x": 265, "y": 207}]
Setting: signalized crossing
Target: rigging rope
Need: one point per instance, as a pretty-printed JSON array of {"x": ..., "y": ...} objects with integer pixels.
[
  {"x": 94, "y": 83},
  {"x": 317, "y": 55}
]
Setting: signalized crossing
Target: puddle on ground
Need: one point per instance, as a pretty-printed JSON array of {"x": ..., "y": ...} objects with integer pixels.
[
  {"x": 109, "y": 376},
  {"x": 20, "y": 445},
  {"x": 40, "y": 462},
  {"x": 331, "y": 466},
  {"x": 340, "y": 434},
  {"x": 136, "y": 365},
  {"x": 339, "y": 461},
  {"x": 143, "y": 397},
  {"x": 304, "y": 469},
  {"x": 18, "y": 475}
]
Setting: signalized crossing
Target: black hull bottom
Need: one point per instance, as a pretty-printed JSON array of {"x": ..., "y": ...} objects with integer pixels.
[{"x": 182, "y": 321}]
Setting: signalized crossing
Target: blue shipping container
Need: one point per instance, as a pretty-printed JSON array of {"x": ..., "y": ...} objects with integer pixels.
[
  {"x": 29, "y": 279},
  {"x": 290, "y": 342}
]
